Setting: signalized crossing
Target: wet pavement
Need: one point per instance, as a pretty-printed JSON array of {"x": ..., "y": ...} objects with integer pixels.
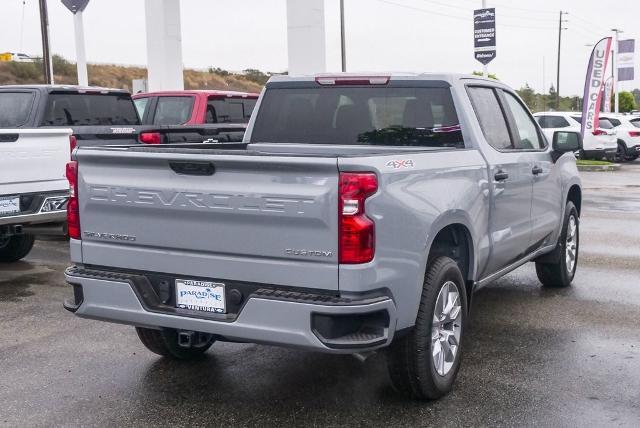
[{"x": 532, "y": 356}]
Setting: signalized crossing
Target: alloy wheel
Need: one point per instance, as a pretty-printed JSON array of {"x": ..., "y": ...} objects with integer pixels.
[
  {"x": 571, "y": 247},
  {"x": 446, "y": 328}
]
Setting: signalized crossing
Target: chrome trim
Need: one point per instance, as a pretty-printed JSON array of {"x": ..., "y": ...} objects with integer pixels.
[{"x": 34, "y": 218}]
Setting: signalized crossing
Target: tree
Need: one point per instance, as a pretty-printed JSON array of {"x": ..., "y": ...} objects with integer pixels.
[
  {"x": 491, "y": 75},
  {"x": 552, "y": 98},
  {"x": 626, "y": 102},
  {"x": 528, "y": 95}
]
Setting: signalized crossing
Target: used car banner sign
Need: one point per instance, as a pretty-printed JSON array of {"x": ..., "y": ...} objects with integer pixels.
[
  {"x": 593, "y": 85},
  {"x": 484, "y": 34},
  {"x": 607, "y": 95}
]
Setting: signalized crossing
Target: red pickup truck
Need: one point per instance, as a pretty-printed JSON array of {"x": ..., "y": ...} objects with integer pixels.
[{"x": 194, "y": 107}]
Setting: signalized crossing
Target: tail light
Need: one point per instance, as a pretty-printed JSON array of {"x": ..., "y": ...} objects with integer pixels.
[
  {"x": 73, "y": 143},
  {"x": 599, "y": 132},
  {"x": 150, "y": 138},
  {"x": 634, "y": 133},
  {"x": 73, "y": 210},
  {"x": 356, "y": 230}
]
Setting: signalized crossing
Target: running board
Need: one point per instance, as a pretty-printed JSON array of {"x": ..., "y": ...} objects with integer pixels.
[{"x": 483, "y": 282}]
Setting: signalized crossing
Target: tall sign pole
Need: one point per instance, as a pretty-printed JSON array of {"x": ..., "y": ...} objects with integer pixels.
[
  {"x": 77, "y": 7},
  {"x": 342, "y": 42},
  {"x": 615, "y": 70},
  {"x": 484, "y": 36},
  {"x": 46, "y": 51}
]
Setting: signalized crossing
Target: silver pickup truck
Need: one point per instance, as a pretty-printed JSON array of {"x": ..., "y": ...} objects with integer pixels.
[{"x": 360, "y": 213}]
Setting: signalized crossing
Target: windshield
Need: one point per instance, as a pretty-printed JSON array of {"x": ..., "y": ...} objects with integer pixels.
[
  {"x": 14, "y": 108},
  {"x": 75, "y": 109},
  {"x": 396, "y": 116}
]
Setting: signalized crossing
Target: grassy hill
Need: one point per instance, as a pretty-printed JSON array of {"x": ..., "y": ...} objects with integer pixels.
[{"x": 117, "y": 76}]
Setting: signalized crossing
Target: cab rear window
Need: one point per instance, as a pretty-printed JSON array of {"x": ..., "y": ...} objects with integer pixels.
[
  {"x": 367, "y": 115},
  {"x": 93, "y": 109}
]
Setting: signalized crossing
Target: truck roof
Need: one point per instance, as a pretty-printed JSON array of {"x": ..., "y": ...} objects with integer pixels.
[
  {"x": 205, "y": 92},
  {"x": 65, "y": 88},
  {"x": 447, "y": 77}
]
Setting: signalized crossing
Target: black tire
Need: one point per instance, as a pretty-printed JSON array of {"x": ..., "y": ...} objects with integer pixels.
[
  {"x": 621, "y": 153},
  {"x": 409, "y": 358},
  {"x": 15, "y": 247},
  {"x": 552, "y": 269},
  {"x": 165, "y": 342}
]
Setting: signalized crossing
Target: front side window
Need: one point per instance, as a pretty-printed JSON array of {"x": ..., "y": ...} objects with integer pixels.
[
  {"x": 367, "y": 115},
  {"x": 173, "y": 110},
  {"x": 229, "y": 110},
  {"x": 15, "y": 108},
  {"x": 491, "y": 118},
  {"x": 528, "y": 137}
]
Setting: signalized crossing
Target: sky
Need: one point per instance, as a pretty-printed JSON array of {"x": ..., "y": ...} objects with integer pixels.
[{"x": 381, "y": 35}]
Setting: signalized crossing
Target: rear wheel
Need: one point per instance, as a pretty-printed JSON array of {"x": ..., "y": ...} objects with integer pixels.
[
  {"x": 558, "y": 268},
  {"x": 424, "y": 363},
  {"x": 165, "y": 342},
  {"x": 621, "y": 153},
  {"x": 16, "y": 247}
]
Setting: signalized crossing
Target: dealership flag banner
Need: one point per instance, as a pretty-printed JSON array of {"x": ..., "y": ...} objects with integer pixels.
[
  {"x": 593, "y": 85},
  {"x": 626, "y": 49},
  {"x": 484, "y": 35},
  {"x": 608, "y": 86}
]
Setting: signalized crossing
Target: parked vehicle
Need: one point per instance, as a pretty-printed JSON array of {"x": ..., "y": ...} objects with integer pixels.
[
  {"x": 361, "y": 213},
  {"x": 194, "y": 107},
  {"x": 96, "y": 116},
  {"x": 599, "y": 144},
  {"x": 628, "y": 132},
  {"x": 33, "y": 189}
]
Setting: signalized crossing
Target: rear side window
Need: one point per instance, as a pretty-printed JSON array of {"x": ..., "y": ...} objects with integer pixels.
[
  {"x": 229, "y": 110},
  {"x": 173, "y": 110},
  {"x": 15, "y": 108},
  {"x": 141, "y": 105},
  {"x": 491, "y": 118},
  {"x": 73, "y": 109},
  {"x": 635, "y": 122},
  {"x": 552, "y": 122},
  {"x": 615, "y": 122},
  {"x": 602, "y": 122},
  {"x": 390, "y": 116}
]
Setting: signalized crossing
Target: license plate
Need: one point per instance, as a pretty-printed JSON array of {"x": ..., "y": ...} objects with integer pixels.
[
  {"x": 9, "y": 205},
  {"x": 202, "y": 296}
]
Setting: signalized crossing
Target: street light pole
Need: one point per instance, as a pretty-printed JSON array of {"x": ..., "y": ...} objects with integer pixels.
[
  {"x": 615, "y": 70},
  {"x": 560, "y": 21},
  {"x": 485, "y": 67},
  {"x": 46, "y": 51},
  {"x": 342, "y": 42}
]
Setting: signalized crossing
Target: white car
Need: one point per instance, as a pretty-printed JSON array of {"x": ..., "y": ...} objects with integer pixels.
[
  {"x": 601, "y": 143},
  {"x": 628, "y": 132}
]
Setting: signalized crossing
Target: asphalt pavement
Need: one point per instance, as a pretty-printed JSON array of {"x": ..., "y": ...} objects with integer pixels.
[{"x": 532, "y": 356}]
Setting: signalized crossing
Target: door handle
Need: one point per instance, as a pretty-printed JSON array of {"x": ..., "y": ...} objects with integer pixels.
[
  {"x": 537, "y": 170},
  {"x": 501, "y": 175},
  {"x": 192, "y": 168}
]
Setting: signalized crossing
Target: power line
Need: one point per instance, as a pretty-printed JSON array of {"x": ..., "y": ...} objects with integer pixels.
[
  {"x": 459, "y": 17},
  {"x": 502, "y": 14}
]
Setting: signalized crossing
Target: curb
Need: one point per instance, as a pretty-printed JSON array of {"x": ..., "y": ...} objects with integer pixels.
[{"x": 599, "y": 168}]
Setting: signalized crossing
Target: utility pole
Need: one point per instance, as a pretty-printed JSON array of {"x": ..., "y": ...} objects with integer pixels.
[
  {"x": 46, "y": 51},
  {"x": 560, "y": 28},
  {"x": 615, "y": 70},
  {"x": 342, "y": 43}
]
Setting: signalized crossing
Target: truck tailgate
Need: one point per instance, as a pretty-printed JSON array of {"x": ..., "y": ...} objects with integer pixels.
[
  {"x": 245, "y": 217},
  {"x": 33, "y": 160}
]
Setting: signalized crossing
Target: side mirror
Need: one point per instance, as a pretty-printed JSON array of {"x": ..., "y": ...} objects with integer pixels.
[{"x": 564, "y": 142}]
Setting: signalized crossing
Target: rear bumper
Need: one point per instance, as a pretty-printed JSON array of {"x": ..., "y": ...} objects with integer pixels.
[
  {"x": 38, "y": 208},
  {"x": 266, "y": 317}
]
